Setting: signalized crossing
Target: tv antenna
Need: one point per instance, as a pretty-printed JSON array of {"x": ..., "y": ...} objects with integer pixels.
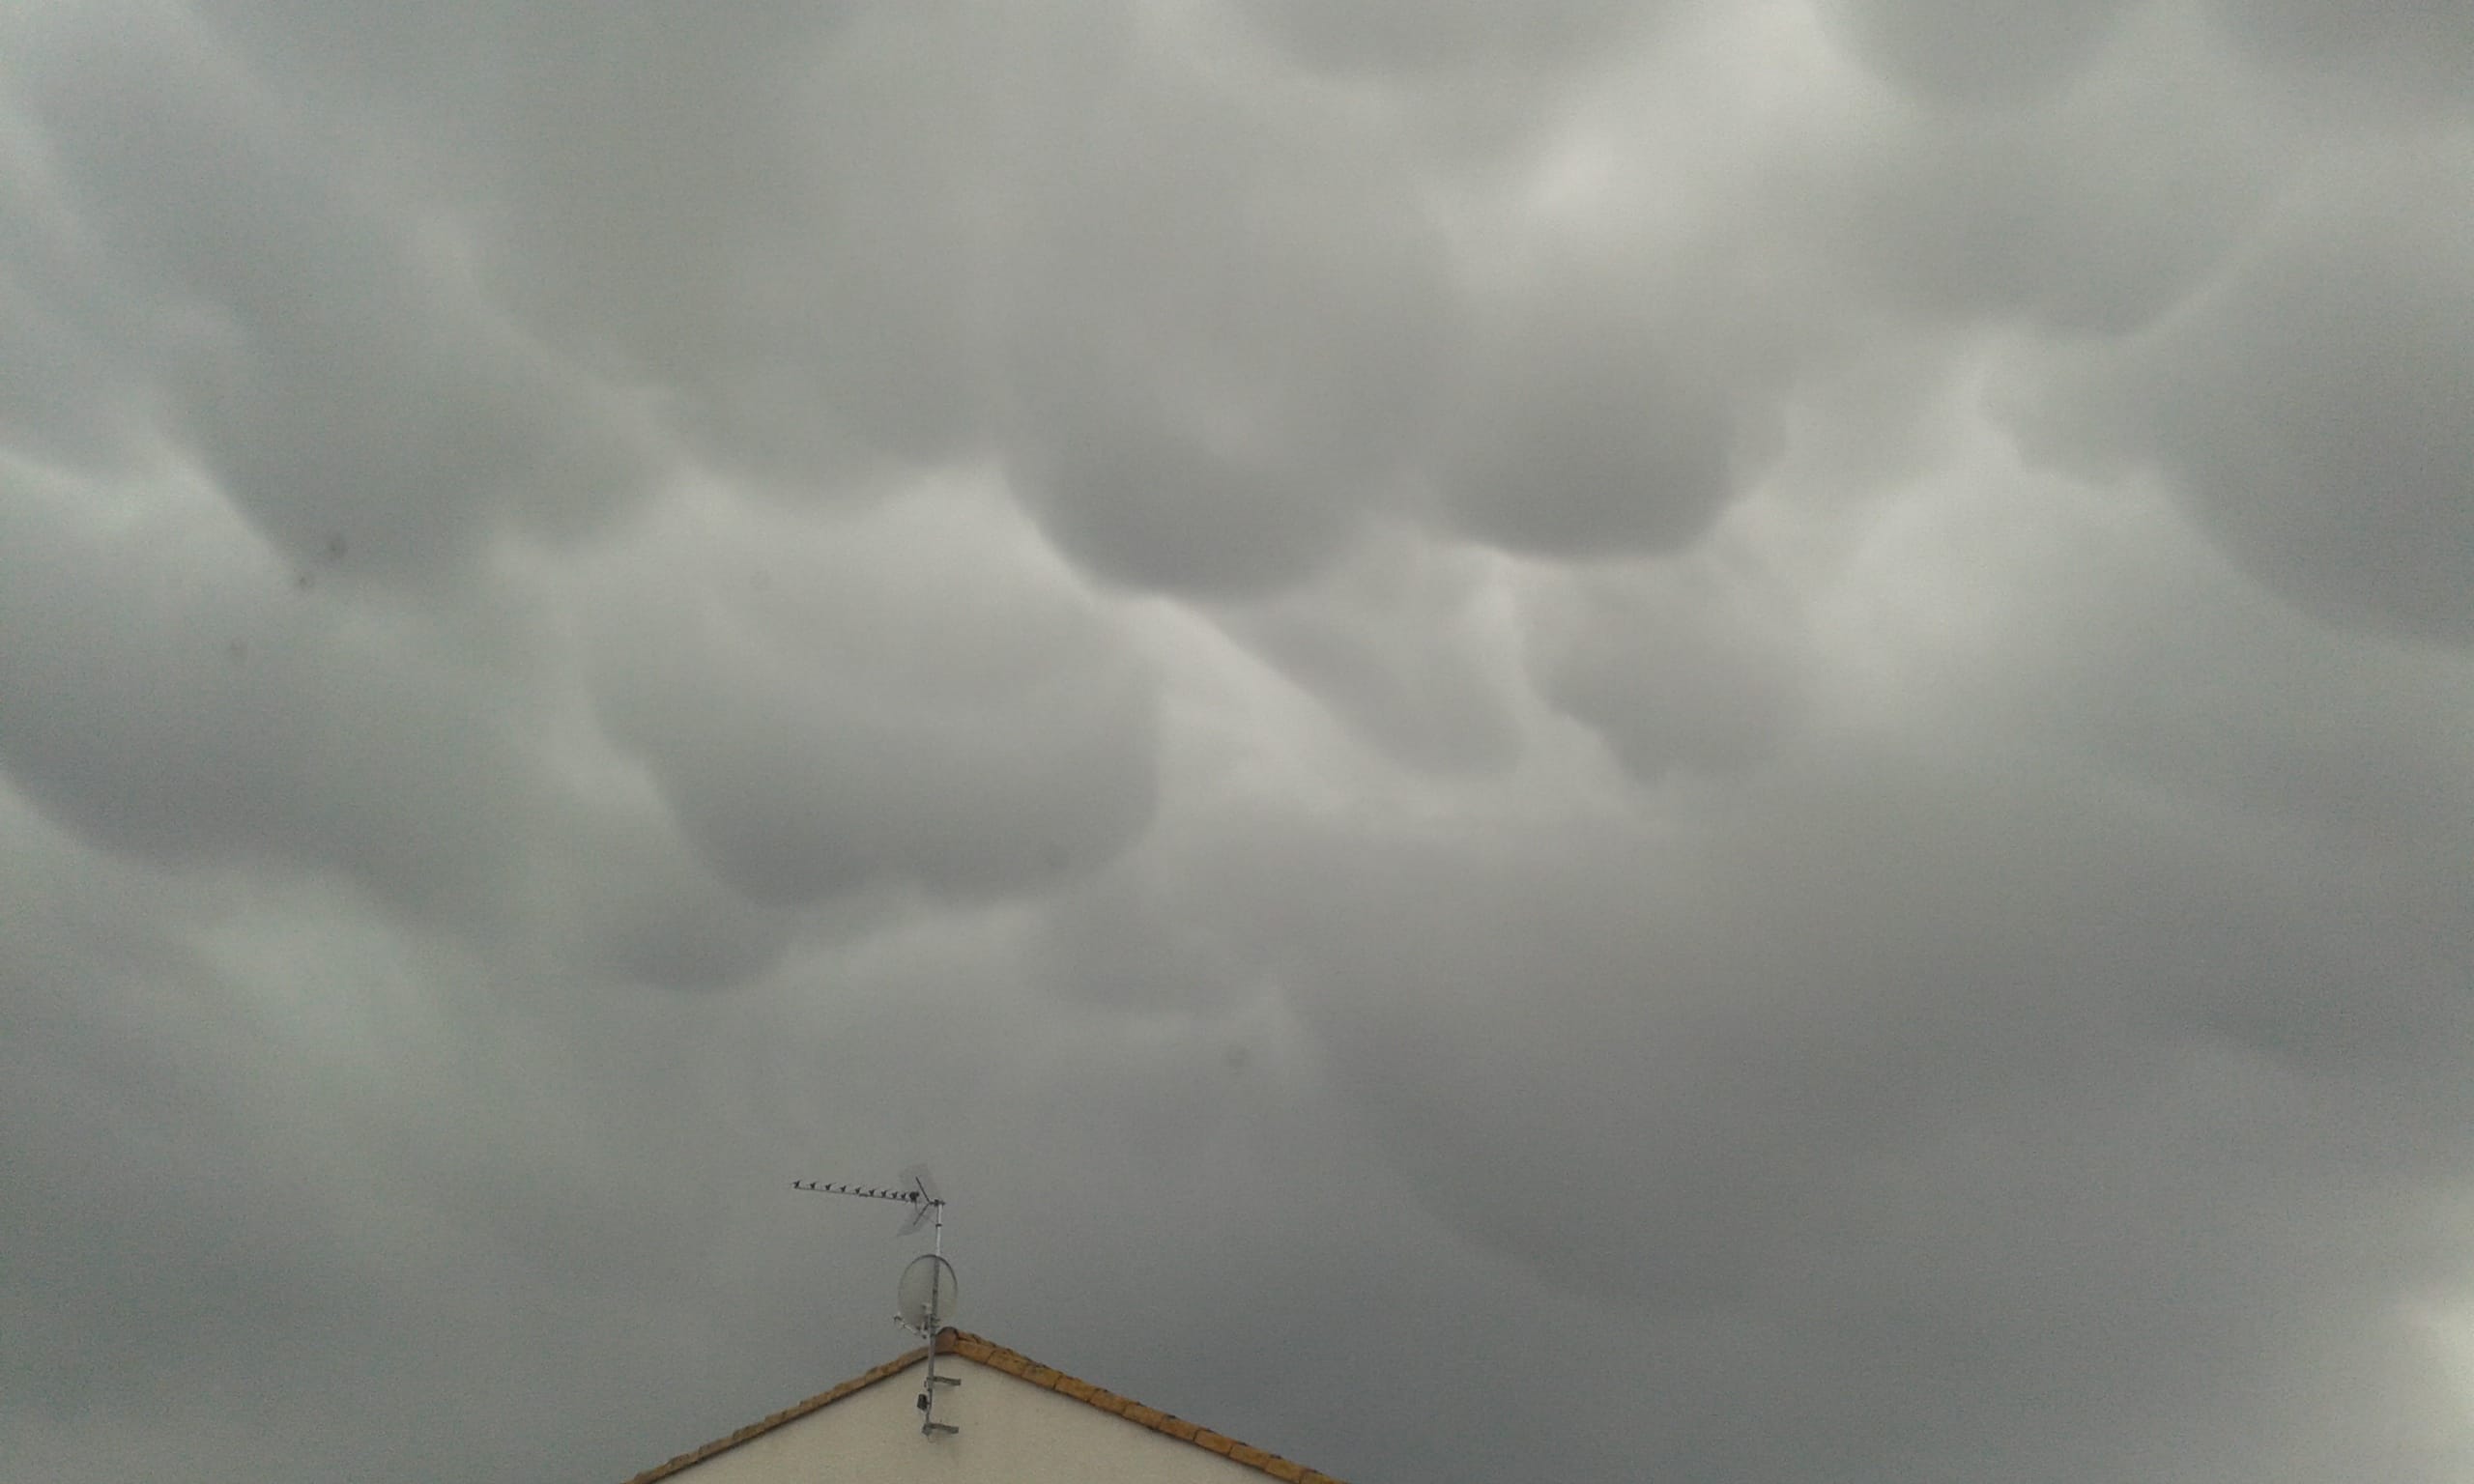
[
  {"x": 919, "y": 1192},
  {"x": 928, "y": 1294}
]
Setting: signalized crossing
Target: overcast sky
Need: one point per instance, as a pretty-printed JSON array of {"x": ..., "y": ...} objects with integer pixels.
[{"x": 1715, "y": 740}]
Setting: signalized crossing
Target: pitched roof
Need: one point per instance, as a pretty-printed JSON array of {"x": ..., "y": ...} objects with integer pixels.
[{"x": 996, "y": 1356}]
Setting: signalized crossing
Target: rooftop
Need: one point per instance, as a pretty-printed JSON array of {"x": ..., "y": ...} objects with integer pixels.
[{"x": 996, "y": 1356}]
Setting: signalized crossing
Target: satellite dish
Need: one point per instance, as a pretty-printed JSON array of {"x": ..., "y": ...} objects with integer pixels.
[{"x": 928, "y": 1295}]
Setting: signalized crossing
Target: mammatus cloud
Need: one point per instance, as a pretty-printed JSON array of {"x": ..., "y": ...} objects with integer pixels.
[
  {"x": 309, "y": 342},
  {"x": 2397, "y": 59},
  {"x": 969, "y": 726},
  {"x": 1981, "y": 55},
  {"x": 1392, "y": 38},
  {"x": 1685, "y": 665},
  {"x": 2311, "y": 404},
  {"x": 1782, "y": 684}
]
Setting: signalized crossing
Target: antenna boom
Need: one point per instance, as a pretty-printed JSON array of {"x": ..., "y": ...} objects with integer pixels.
[{"x": 911, "y": 1197}]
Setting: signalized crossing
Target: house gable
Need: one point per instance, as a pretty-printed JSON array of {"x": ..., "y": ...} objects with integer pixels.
[{"x": 1022, "y": 1422}]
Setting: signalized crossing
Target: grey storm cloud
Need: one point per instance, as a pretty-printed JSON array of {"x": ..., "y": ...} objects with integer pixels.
[
  {"x": 2313, "y": 403},
  {"x": 964, "y": 726},
  {"x": 1994, "y": 54},
  {"x": 1580, "y": 741}
]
